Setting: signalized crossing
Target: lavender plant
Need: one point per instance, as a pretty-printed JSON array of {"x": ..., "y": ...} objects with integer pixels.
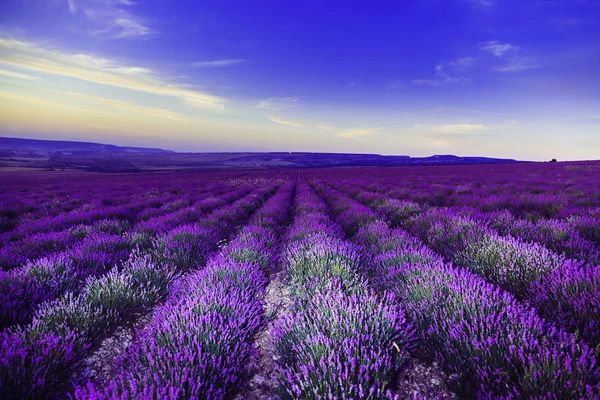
[
  {"x": 341, "y": 346},
  {"x": 37, "y": 281}
]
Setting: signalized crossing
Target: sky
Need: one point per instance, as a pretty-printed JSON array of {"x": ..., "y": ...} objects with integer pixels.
[{"x": 501, "y": 78}]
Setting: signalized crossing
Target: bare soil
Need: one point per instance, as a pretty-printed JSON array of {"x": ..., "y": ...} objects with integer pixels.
[
  {"x": 263, "y": 382},
  {"x": 102, "y": 364},
  {"x": 422, "y": 380}
]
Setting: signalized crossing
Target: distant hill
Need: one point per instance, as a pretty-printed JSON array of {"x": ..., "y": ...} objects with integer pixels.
[
  {"x": 29, "y": 154},
  {"x": 298, "y": 159},
  {"x": 452, "y": 159},
  {"x": 47, "y": 146}
]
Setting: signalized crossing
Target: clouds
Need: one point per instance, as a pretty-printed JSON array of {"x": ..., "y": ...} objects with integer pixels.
[
  {"x": 81, "y": 98},
  {"x": 122, "y": 105},
  {"x": 348, "y": 133},
  {"x": 496, "y": 48},
  {"x": 72, "y": 6},
  {"x": 124, "y": 27},
  {"x": 16, "y": 97},
  {"x": 110, "y": 18},
  {"x": 219, "y": 63},
  {"x": 448, "y": 73},
  {"x": 491, "y": 56},
  {"x": 473, "y": 111},
  {"x": 298, "y": 123},
  {"x": 454, "y": 137},
  {"x": 510, "y": 57},
  {"x": 18, "y": 75},
  {"x": 277, "y": 103},
  {"x": 356, "y": 132},
  {"x": 102, "y": 71},
  {"x": 458, "y": 129},
  {"x": 289, "y": 122},
  {"x": 517, "y": 64}
]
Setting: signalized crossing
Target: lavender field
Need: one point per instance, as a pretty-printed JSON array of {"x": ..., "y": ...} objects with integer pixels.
[{"x": 436, "y": 282}]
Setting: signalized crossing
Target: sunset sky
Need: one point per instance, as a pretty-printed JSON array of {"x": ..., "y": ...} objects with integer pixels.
[{"x": 503, "y": 78}]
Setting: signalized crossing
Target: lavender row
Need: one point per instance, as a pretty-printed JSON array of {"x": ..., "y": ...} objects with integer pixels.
[
  {"x": 48, "y": 277},
  {"x": 37, "y": 360},
  {"x": 529, "y": 191},
  {"x": 113, "y": 201},
  {"x": 561, "y": 236},
  {"x": 64, "y": 229},
  {"x": 352, "y": 217},
  {"x": 85, "y": 215},
  {"x": 200, "y": 344},
  {"x": 562, "y": 290},
  {"x": 180, "y": 212},
  {"x": 340, "y": 340},
  {"x": 34, "y": 198},
  {"x": 34, "y": 244},
  {"x": 577, "y": 236},
  {"x": 499, "y": 348}
]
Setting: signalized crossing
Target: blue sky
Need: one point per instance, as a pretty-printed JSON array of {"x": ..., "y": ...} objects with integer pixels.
[{"x": 471, "y": 77}]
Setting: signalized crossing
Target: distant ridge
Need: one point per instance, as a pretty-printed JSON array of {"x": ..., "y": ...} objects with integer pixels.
[
  {"x": 28, "y": 154},
  {"x": 69, "y": 146}
]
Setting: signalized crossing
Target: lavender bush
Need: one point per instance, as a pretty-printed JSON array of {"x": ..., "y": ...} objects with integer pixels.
[{"x": 341, "y": 346}]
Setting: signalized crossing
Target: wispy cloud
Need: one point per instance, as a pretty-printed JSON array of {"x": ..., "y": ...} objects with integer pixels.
[
  {"x": 128, "y": 27},
  {"x": 110, "y": 18},
  {"x": 99, "y": 70},
  {"x": 356, "y": 132},
  {"x": 447, "y": 73},
  {"x": 289, "y": 122},
  {"x": 519, "y": 64},
  {"x": 122, "y": 105},
  {"x": 463, "y": 62},
  {"x": 467, "y": 110},
  {"x": 19, "y": 75},
  {"x": 458, "y": 129},
  {"x": 498, "y": 49},
  {"x": 293, "y": 122},
  {"x": 351, "y": 133},
  {"x": 219, "y": 63},
  {"x": 492, "y": 56},
  {"x": 510, "y": 57},
  {"x": 277, "y": 103},
  {"x": 87, "y": 98},
  {"x": 40, "y": 102},
  {"x": 72, "y": 6}
]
